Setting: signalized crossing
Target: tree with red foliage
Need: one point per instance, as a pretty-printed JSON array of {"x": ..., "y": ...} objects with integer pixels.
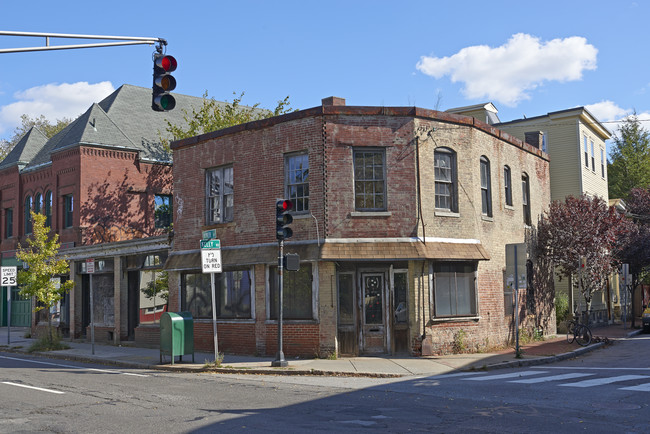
[
  {"x": 635, "y": 246},
  {"x": 583, "y": 227}
]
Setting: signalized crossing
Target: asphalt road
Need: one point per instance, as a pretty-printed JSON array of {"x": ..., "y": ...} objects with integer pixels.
[{"x": 608, "y": 390}]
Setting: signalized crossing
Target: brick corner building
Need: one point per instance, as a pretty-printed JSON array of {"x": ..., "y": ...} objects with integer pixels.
[{"x": 401, "y": 220}]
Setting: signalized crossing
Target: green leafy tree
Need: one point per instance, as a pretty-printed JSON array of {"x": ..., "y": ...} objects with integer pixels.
[
  {"x": 37, "y": 280},
  {"x": 630, "y": 159},
  {"x": 214, "y": 115},
  {"x": 42, "y": 123},
  {"x": 158, "y": 287}
]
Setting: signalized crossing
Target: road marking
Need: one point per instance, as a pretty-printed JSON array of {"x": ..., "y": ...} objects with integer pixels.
[
  {"x": 606, "y": 380},
  {"x": 551, "y": 378},
  {"x": 58, "y": 392},
  {"x": 582, "y": 368},
  {"x": 639, "y": 388},
  {"x": 501, "y": 376},
  {"x": 460, "y": 374},
  {"x": 61, "y": 365}
]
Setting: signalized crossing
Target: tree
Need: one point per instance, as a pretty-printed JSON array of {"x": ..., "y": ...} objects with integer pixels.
[
  {"x": 634, "y": 249},
  {"x": 583, "y": 227},
  {"x": 27, "y": 122},
  {"x": 43, "y": 266},
  {"x": 630, "y": 159},
  {"x": 214, "y": 115}
]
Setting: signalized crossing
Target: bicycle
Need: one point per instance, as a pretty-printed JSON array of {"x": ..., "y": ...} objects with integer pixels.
[{"x": 578, "y": 332}]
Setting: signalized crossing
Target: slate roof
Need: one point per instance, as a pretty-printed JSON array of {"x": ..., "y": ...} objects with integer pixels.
[
  {"x": 123, "y": 120},
  {"x": 25, "y": 150}
]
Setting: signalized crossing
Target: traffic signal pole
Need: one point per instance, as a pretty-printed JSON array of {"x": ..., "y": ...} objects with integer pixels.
[
  {"x": 279, "y": 357},
  {"x": 283, "y": 220},
  {"x": 126, "y": 40}
]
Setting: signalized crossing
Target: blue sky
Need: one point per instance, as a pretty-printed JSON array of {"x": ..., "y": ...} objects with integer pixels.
[{"x": 527, "y": 58}]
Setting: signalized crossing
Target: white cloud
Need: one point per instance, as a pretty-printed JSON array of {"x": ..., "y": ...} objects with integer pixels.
[
  {"x": 613, "y": 116},
  {"x": 607, "y": 111},
  {"x": 505, "y": 74},
  {"x": 54, "y": 101}
]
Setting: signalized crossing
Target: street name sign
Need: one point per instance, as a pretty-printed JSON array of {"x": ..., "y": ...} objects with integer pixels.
[
  {"x": 209, "y": 234},
  {"x": 8, "y": 276},
  {"x": 210, "y": 244}
]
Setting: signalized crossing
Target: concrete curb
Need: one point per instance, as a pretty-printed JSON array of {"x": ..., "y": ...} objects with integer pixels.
[{"x": 306, "y": 372}]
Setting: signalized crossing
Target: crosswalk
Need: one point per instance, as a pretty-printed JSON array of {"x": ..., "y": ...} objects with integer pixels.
[{"x": 570, "y": 379}]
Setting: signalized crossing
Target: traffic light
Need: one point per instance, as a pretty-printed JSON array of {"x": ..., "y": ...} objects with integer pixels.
[
  {"x": 163, "y": 82},
  {"x": 283, "y": 219}
]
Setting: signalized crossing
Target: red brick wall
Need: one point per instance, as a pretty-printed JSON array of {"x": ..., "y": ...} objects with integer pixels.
[{"x": 256, "y": 153}]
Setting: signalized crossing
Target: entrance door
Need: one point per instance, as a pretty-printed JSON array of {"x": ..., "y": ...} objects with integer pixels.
[{"x": 373, "y": 324}]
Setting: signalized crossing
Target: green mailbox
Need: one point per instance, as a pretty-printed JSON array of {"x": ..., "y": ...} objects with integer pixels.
[{"x": 176, "y": 335}]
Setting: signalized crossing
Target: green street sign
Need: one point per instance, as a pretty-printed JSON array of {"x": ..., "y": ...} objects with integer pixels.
[
  {"x": 209, "y": 234},
  {"x": 210, "y": 244}
]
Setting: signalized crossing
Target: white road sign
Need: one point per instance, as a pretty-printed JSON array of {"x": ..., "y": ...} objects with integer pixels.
[
  {"x": 211, "y": 260},
  {"x": 8, "y": 276}
]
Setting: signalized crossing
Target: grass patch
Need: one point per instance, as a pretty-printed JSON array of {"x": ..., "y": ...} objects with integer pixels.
[
  {"x": 214, "y": 364},
  {"x": 46, "y": 344}
]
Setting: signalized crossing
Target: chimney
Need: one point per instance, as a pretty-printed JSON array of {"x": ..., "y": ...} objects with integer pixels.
[
  {"x": 534, "y": 138},
  {"x": 333, "y": 100}
]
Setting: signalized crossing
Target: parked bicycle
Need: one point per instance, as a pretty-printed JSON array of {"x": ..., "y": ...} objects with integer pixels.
[{"x": 578, "y": 332}]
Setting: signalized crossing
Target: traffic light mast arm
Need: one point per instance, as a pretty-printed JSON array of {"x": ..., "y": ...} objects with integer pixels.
[{"x": 128, "y": 40}]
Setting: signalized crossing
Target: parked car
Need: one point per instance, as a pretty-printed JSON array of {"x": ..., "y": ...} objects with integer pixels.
[{"x": 646, "y": 319}]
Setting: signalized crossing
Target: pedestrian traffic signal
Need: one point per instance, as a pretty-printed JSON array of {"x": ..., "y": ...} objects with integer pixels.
[
  {"x": 283, "y": 219},
  {"x": 163, "y": 82}
]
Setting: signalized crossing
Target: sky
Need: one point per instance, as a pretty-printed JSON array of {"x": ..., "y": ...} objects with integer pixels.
[{"x": 527, "y": 58}]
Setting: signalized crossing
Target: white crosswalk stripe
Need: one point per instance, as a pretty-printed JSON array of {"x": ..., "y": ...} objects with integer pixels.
[
  {"x": 551, "y": 378},
  {"x": 538, "y": 377},
  {"x": 503, "y": 376},
  {"x": 606, "y": 380},
  {"x": 639, "y": 388}
]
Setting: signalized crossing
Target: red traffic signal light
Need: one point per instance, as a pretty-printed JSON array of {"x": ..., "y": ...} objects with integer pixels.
[
  {"x": 283, "y": 219},
  {"x": 163, "y": 82}
]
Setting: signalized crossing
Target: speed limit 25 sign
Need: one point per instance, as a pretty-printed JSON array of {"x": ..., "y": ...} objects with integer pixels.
[{"x": 8, "y": 276}]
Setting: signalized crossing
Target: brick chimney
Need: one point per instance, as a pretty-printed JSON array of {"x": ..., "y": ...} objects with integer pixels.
[
  {"x": 333, "y": 100},
  {"x": 534, "y": 138}
]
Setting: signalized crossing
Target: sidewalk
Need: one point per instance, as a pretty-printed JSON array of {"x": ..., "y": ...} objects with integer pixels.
[{"x": 548, "y": 351}]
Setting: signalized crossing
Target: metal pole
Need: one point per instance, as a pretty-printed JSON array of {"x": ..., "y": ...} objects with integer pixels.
[
  {"x": 8, "y": 315},
  {"x": 92, "y": 320},
  {"x": 279, "y": 358},
  {"x": 214, "y": 318},
  {"x": 517, "y": 353}
]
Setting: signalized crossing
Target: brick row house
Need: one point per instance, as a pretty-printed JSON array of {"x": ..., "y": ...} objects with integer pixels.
[
  {"x": 105, "y": 185},
  {"x": 401, "y": 219}
]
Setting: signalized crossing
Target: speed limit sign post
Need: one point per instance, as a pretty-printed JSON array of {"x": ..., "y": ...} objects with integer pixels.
[{"x": 8, "y": 276}]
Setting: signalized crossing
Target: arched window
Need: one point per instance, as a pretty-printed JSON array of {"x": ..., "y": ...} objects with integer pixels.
[
  {"x": 38, "y": 203},
  {"x": 28, "y": 217},
  {"x": 47, "y": 208},
  {"x": 486, "y": 187},
  {"x": 444, "y": 164}
]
